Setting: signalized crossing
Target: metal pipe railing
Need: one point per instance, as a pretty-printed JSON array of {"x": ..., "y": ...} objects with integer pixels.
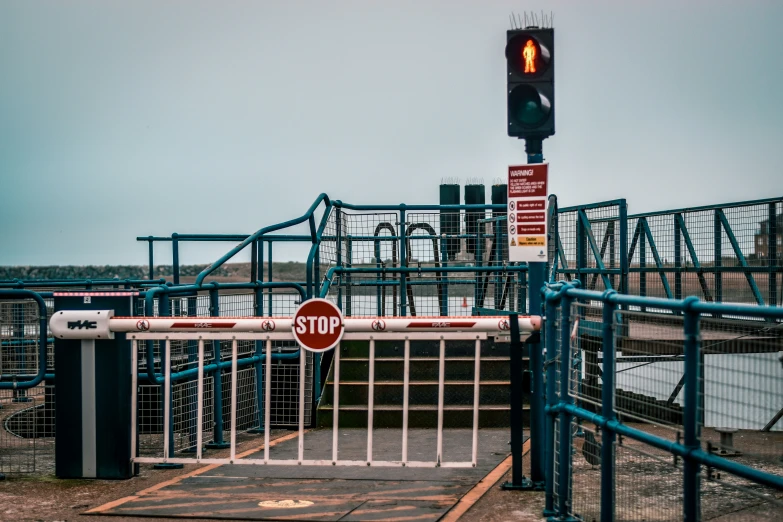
[{"x": 42, "y": 337}]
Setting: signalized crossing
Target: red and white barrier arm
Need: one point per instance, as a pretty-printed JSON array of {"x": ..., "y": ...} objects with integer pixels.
[{"x": 93, "y": 324}]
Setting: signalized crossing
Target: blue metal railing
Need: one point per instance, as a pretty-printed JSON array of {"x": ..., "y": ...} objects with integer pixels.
[
  {"x": 565, "y": 410},
  {"x": 14, "y": 383}
]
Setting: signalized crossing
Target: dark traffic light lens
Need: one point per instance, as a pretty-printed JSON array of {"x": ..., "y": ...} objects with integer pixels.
[{"x": 529, "y": 107}]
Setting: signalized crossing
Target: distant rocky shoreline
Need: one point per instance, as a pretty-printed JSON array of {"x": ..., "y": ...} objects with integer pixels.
[{"x": 281, "y": 271}]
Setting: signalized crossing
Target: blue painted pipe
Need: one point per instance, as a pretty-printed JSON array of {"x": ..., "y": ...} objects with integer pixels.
[
  {"x": 408, "y": 270},
  {"x": 149, "y": 301},
  {"x": 254, "y": 237},
  {"x": 39, "y": 377},
  {"x": 700, "y": 456}
]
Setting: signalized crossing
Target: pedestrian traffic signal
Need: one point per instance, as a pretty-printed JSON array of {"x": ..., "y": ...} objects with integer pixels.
[{"x": 530, "y": 64}]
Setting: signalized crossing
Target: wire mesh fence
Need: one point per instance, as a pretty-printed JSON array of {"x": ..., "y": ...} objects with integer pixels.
[
  {"x": 27, "y": 431},
  {"x": 735, "y": 410},
  {"x": 19, "y": 337},
  {"x": 649, "y": 483},
  {"x": 374, "y": 244},
  {"x": 726, "y": 253},
  {"x": 585, "y": 472},
  {"x": 649, "y": 368},
  {"x": 589, "y": 244}
]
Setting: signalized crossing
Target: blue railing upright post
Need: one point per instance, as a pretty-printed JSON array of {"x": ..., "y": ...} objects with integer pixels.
[
  {"x": 217, "y": 380},
  {"x": 718, "y": 255},
  {"x": 403, "y": 264},
  {"x": 772, "y": 254},
  {"x": 348, "y": 264},
  {"x": 150, "y": 254},
  {"x": 17, "y": 312},
  {"x": 193, "y": 405},
  {"x": 607, "y": 411},
  {"x": 551, "y": 400},
  {"x": 564, "y": 500},
  {"x": 253, "y": 261},
  {"x": 270, "y": 274},
  {"x": 339, "y": 247},
  {"x": 499, "y": 275},
  {"x": 537, "y": 414},
  {"x": 478, "y": 294},
  {"x": 175, "y": 257},
  {"x": 258, "y": 311},
  {"x": 677, "y": 257},
  {"x": 444, "y": 254},
  {"x": 691, "y": 471},
  {"x": 522, "y": 292}
]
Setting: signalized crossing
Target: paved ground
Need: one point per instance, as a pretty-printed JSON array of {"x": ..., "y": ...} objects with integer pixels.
[
  {"x": 41, "y": 497},
  {"x": 345, "y": 493}
]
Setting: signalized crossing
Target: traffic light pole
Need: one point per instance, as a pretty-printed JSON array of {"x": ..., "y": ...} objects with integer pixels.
[{"x": 536, "y": 278}]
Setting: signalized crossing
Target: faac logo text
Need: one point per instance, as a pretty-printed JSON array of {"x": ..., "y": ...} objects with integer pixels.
[{"x": 87, "y": 325}]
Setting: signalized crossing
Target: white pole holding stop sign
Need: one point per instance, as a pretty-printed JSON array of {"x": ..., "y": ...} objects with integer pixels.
[{"x": 318, "y": 325}]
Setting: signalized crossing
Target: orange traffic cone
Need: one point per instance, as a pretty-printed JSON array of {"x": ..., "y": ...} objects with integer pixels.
[{"x": 464, "y": 302}]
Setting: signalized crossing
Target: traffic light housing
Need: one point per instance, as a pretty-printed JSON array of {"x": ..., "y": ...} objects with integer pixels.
[{"x": 530, "y": 64}]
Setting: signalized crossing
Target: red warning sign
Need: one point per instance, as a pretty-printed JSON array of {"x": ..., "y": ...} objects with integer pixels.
[
  {"x": 318, "y": 325},
  {"x": 527, "y": 203},
  {"x": 527, "y": 181}
]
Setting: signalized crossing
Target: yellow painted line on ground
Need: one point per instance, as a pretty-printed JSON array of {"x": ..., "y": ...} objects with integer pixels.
[
  {"x": 196, "y": 472},
  {"x": 478, "y": 491}
]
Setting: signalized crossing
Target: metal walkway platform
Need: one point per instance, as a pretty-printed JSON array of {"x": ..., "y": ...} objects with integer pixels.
[{"x": 323, "y": 493}]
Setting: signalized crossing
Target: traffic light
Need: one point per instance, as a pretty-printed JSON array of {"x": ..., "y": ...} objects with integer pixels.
[{"x": 530, "y": 59}]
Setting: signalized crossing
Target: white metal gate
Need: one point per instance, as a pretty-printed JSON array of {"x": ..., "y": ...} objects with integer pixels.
[{"x": 267, "y": 330}]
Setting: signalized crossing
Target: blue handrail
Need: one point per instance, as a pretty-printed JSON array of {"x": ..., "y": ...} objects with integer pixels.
[
  {"x": 39, "y": 377},
  {"x": 149, "y": 300},
  {"x": 254, "y": 237},
  {"x": 409, "y": 270}
]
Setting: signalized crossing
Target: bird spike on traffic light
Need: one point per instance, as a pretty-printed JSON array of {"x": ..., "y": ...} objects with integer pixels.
[
  {"x": 531, "y": 82},
  {"x": 531, "y": 20}
]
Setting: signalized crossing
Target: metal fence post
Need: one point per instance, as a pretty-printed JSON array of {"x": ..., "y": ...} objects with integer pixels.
[
  {"x": 150, "y": 254},
  {"x": 718, "y": 256},
  {"x": 607, "y": 411},
  {"x": 403, "y": 264},
  {"x": 522, "y": 292},
  {"x": 498, "y": 244},
  {"x": 772, "y": 254},
  {"x": 191, "y": 304},
  {"x": 258, "y": 311},
  {"x": 444, "y": 310},
  {"x": 691, "y": 468},
  {"x": 269, "y": 277},
  {"x": 348, "y": 264},
  {"x": 175, "y": 257},
  {"x": 551, "y": 400},
  {"x": 564, "y": 507},
  {"x": 217, "y": 380},
  {"x": 17, "y": 313},
  {"x": 677, "y": 257},
  {"x": 537, "y": 415},
  {"x": 518, "y": 480},
  {"x": 478, "y": 294}
]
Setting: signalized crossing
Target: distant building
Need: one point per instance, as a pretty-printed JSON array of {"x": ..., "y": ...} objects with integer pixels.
[{"x": 761, "y": 239}]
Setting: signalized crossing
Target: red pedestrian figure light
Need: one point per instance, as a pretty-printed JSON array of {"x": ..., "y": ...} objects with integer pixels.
[{"x": 529, "y": 54}]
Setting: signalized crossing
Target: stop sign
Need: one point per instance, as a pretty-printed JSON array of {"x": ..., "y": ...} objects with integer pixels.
[{"x": 318, "y": 325}]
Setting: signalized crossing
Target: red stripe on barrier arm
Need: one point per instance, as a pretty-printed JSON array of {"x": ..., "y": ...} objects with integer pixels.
[
  {"x": 441, "y": 324},
  {"x": 206, "y": 325}
]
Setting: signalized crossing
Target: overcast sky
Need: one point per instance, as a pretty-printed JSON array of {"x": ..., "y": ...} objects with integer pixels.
[{"x": 151, "y": 117}]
